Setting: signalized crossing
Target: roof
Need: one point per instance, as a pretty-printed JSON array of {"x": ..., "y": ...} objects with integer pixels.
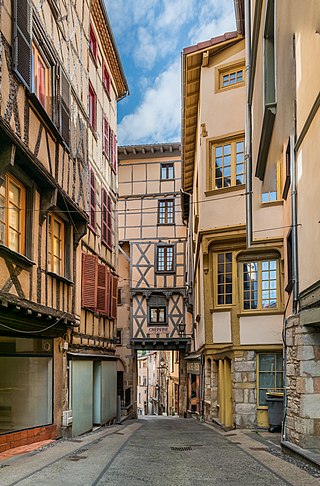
[
  {"x": 192, "y": 61},
  {"x": 101, "y": 19},
  {"x": 149, "y": 150}
]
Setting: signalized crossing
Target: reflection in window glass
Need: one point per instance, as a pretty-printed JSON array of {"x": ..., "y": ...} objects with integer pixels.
[{"x": 270, "y": 375}]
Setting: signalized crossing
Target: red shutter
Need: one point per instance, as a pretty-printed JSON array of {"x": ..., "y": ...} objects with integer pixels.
[
  {"x": 22, "y": 36},
  {"x": 64, "y": 100},
  {"x": 104, "y": 217},
  {"x": 108, "y": 293},
  {"x": 89, "y": 281},
  {"x": 114, "y": 162},
  {"x": 101, "y": 289},
  {"x": 114, "y": 297},
  {"x": 109, "y": 222},
  {"x": 92, "y": 215},
  {"x": 106, "y": 137},
  {"x": 110, "y": 146}
]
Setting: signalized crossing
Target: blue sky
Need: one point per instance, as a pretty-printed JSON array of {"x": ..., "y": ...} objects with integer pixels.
[{"x": 150, "y": 36}]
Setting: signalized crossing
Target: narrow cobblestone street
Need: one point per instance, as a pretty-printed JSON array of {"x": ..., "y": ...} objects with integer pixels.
[{"x": 164, "y": 451}]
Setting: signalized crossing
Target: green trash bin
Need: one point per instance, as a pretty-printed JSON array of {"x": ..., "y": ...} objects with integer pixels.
[{"x": 275, "y": 410}]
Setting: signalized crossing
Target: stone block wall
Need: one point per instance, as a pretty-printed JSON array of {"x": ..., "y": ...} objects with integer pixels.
[
  {"x": 302, "y": 424},
  {"x": 244, "y": 389}
]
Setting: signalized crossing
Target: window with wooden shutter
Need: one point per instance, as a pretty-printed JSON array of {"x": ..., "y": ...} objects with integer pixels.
[
  {"x": 114, "y": 297},
  {"x": 22, "y": 47},
  {"x": 114, "y": 161},
  {"x": 108, "y": 293},
  {"x": 106, "y": 137},
  {"x": 111, "y": 146},
  {"x": 64, "y": 100},
  {"x": 106, "y": 218},
  {"x": 89, "y": 281},
  {"x": 92, "y": 184},
  {"x": 92, "y": 107},
  {"x": 106, "y": 79},
  {"x": 102, "y": 296}
]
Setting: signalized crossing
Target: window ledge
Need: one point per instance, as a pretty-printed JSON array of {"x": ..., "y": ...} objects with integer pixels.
[
  {"x": 222, "y": 308},
  {"x": 16, "y": 257},
  {"x": 260, "y": 312},
  {"x": 269, "y": 204},
  {"x": 61, "y": 278},
  {"x": 215, "y": 192},
  {"x": 166, "y": 224},
  {"x": 165, "y": 272}
]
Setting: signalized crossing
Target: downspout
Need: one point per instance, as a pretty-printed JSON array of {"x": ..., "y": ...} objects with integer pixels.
[
  {"x": 294, "y": 233},
  {"x": 248, "y": 132}
]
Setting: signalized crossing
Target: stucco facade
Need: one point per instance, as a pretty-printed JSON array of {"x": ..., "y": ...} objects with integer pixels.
[
  {"x": 237, "y": 317},
  {"x": 285, "y": 146}
]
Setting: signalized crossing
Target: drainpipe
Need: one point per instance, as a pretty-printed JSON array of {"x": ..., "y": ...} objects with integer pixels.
[
  {"x": 294, "y": 233},
  {"x": 248, "y": 134}
]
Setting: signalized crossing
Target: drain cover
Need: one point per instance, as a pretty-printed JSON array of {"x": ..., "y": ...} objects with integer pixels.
[
  {"x": 76, "y": 458},
  {"x": 257, "y": 448},
  {"x": 230, "y": 435},
  {"x": 182, "y": 449}
]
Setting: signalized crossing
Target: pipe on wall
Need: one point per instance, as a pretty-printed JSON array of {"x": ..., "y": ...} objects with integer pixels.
[{"x": 248, "y": 134}]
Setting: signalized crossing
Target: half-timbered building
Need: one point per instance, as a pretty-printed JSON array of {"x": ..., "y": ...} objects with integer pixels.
[
  {"x": 93, "y": 365},
  {"x": 43, "y": 159},
  {"x": 152, "y": 238}
]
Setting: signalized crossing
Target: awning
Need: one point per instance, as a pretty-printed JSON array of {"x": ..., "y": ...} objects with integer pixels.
[
  {"x": 91, "y": 355},
  {"x": 193, "y": 356}
]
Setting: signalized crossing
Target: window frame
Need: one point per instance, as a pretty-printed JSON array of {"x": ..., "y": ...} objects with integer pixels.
[
  {"x": 93, "y": 43},
  {"x": 158, "y": 308},
  {"x": 92, "y": 101},
  {"x": 50, "y": 226},
  {"x": 166, "y": 221},
  {"x": 228, "y": 69},
  {"x": 92, "y": 200},
  {"x": 36, "y": 53},
  {"x": 166, "y": 166},
  {"x": 213, "y": 144},
  {"x": 106, "y": 79},
  {"x": 21, "y": 211},
  {"x": 258, "y": 371},
  {"x": 259, "y": 262},
  {"x": 216, "y": 273},
  {"x": 165, "y": 258},
  {"x": 106, "y": 218}
]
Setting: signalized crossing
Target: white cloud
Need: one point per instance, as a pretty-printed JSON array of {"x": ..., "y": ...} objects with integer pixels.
[
  {"x": 215, "y": 17},
  {"x": 157, "y": 119}
]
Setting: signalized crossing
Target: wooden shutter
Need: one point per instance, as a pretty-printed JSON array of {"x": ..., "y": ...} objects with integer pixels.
[
  {"x": 104, "y": 216},
  {"x": 106, "y": 137},
  {"x": 102, "y": 297},
  {"x": 108, "y": 293},
  {"x": 110, "y": 146},
  {"x": 114, "y": 297},
  {"x": 114, "y": 162},
  {"x": 22, "y": 46},
  {"x": 89, "y": 281},
  {"x": 109, "y": 221},
  {"x": 64, "y": 100},
  {"x": 92, "y": 195}
]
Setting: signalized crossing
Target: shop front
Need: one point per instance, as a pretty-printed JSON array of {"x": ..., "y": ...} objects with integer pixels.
[{"x": 26, "y": 390}]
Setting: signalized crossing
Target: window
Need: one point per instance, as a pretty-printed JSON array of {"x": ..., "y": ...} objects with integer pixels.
[
  {"x": 92, "y": 107},
  {"x": 106, "y": 215},
  {"x": 119, "y": 337},
  {"x": 158, "y": 309},
  {"x": 230, "y": 76},
  {"x": 113, "y": 150},
  {"x": 167, "y": 171},
  {"x": 269, "y": 196},
  {"x": 93, "y": 43},
  {"x": 260, "y": 285},
  {"x": 41, "y": 79},
  {"x": 92, "y": 188},
  {"x": 166, "y": 211},
  {"x": 55, "y": 245},
  {"x": 99, "y": 287},
  {"x": 12, "y": 214},
  {"x": 227, "y": 164},
  {"x": 270, "y": 376},
  {"x": 106, "y": 79},
  {"x": 224, "y": 276},
  {"x": 106, "y": 148},
  {"x": 165, "y": 261},
  {"x": 287, "y": 181}
]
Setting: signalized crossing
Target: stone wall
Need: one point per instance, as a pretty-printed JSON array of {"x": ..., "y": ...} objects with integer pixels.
[
  {"x": 302, "y": 425},
  {"x": 244, "y": 389}
]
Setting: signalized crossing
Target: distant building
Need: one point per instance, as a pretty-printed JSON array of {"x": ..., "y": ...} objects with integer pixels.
[{"x": 152, "y": 238}]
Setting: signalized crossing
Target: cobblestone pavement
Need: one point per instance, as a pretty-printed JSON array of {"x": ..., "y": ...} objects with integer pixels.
[{"x": 155, "y": 451}]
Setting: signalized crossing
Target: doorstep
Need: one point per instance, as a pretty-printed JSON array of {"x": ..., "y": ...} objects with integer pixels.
[{"x": 26, "y": 449}]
